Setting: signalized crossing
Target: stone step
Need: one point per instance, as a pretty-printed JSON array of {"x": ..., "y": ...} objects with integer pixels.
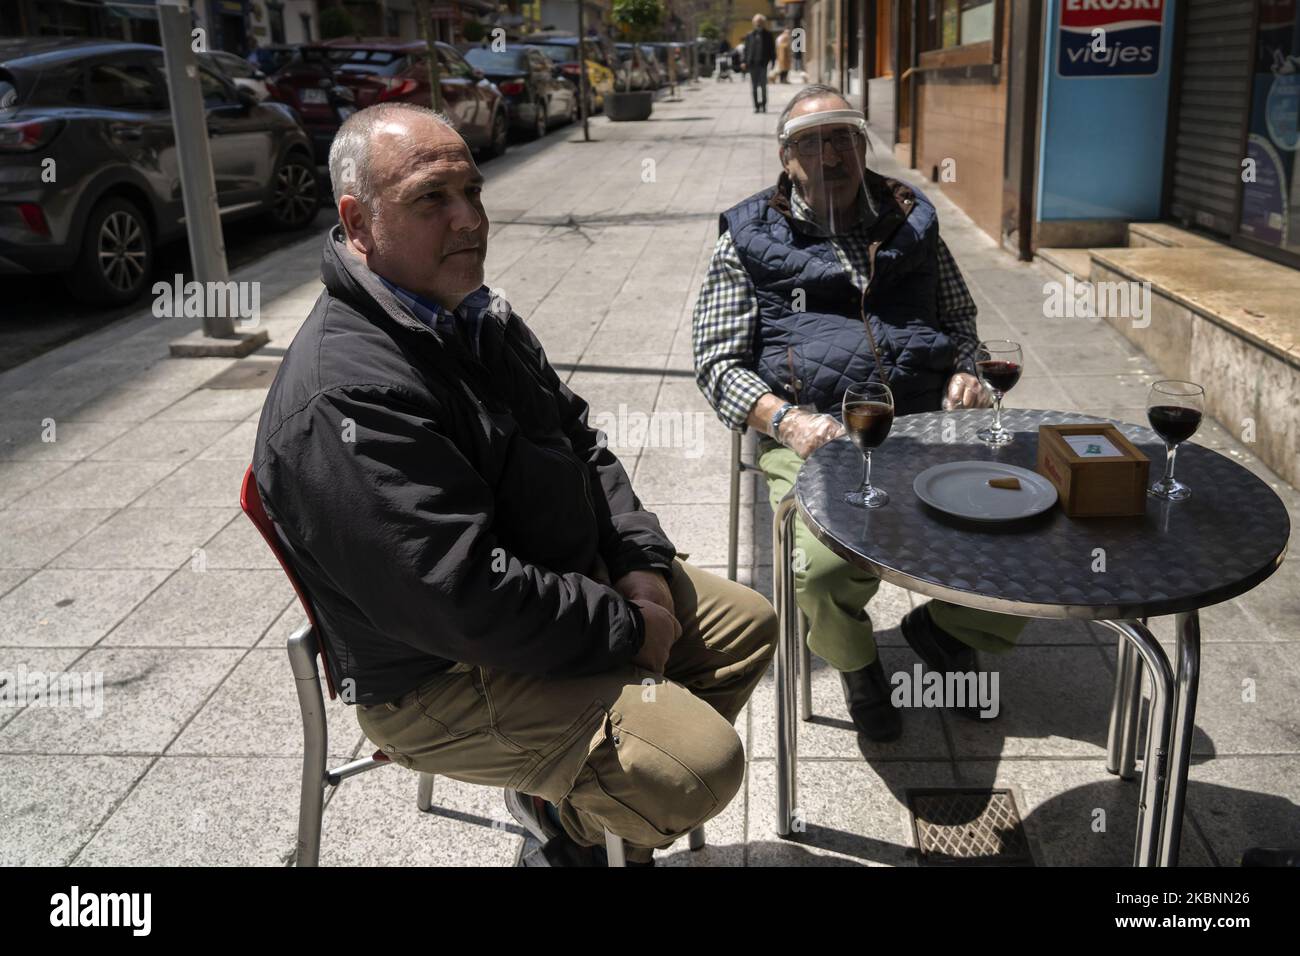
[
  {"x": 1143, "y": 235},
  {"x": 1222, "y": 316}
]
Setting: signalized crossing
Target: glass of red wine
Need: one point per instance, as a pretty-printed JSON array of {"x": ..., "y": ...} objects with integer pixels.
[
  {"x": 868, "y": 415},
  {"x": 1174, "y": 410},
  {"x": 999, "y": 364}
]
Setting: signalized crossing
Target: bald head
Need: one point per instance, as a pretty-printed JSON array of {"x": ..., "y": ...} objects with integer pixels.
[
  {"x": 759, "y": 21},
  {"x": 409, "y": 199},
  {"x": 352, "y": 156}
]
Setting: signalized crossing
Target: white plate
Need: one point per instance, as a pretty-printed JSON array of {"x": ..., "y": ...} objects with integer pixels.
[{"x": 961, "y": 488}]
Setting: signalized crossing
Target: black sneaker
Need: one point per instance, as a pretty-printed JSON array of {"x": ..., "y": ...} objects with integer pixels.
[
  {"x": 557, "y": 847},
  {"x": 940, "y": 651},
  {"x": 866, "y": 691}
]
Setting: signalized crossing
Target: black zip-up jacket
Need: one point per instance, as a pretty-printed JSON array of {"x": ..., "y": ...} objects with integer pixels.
[
  {"x": 760, "y": 50},
  {"x": 441, "y": 507}
]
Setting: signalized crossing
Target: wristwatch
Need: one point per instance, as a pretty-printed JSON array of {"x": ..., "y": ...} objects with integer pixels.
[{"x": 780, "y": 414}]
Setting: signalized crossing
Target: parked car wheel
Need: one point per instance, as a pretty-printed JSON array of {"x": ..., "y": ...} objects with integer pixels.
[
  {"x": 539, "y": 121},
  {"x": 116, "y": 258},
  {"x": 295, "y": 195},
  {"x": 500, "y": 132}
]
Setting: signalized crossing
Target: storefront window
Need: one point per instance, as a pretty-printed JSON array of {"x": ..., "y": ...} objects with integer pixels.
[
  {"x": 953, "y": 23},
  {"x": 976, "y": 21},
  {"x": 1270, "y": 196}
]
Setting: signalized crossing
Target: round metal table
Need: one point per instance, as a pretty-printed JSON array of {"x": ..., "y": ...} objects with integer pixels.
[{"x": 1175, "y": 559}]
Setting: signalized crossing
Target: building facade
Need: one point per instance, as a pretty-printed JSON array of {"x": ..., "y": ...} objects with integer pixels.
[{"x": 1059, "y": 122}]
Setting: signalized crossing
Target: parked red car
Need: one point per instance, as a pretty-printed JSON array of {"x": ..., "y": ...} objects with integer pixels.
[{"x": 379, "y": 70}]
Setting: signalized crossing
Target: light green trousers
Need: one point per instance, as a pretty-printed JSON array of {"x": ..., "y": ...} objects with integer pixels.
[{"x": 833, "y": 594}]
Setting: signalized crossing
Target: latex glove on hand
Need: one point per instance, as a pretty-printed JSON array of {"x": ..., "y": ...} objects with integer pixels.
[
  {"x": 965, "y": 391},
  {"x": 804, "y": 432}
]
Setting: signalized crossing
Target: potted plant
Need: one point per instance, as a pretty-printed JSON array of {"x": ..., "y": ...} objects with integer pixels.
[{"x": 636, "y": 20}]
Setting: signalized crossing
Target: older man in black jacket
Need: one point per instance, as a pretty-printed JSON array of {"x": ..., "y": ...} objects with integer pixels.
[
  {"x": 760, "y": 53},
  {"x": 494, "y": 597}
]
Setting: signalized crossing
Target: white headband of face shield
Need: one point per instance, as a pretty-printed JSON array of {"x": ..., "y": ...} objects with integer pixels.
[{"x": 852, "y": 118}]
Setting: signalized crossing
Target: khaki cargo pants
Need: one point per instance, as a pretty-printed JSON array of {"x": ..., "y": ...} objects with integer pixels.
[{"x": 648, "y": 758}]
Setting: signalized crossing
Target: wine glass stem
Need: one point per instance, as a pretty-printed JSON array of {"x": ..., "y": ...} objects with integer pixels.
[
  {"x": 866, "y": 471},
  {"x": 1171, "y": 452},
  {"x": 997, "y": 412}
]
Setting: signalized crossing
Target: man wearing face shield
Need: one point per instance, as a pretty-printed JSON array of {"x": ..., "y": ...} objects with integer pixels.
[{"x": 834, "y": 276}]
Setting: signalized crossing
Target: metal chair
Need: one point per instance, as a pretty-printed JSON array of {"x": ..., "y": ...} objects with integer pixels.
[
  {"x": 792, "y": 644},
  {"x": 738, "y": 467},
  {"x": 304, "y": 645}
]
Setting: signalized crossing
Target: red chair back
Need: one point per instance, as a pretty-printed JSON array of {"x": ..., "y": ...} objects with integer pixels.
[{"x": 251, "y": 502}]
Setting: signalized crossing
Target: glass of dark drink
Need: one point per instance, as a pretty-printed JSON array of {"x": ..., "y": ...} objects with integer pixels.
[
  {"x": 1174, "y": 410},
  {"x": 999, "y": 364},
  {"x": 868, "y": 416}
]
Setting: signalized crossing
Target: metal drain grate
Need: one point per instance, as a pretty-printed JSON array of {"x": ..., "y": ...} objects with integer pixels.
[
  {"x": 968, "y": 827},
  {"x": 246, "y": 373}
]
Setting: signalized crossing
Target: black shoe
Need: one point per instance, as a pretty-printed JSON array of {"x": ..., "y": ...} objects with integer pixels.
[
  {"x": 940, "y": 651},
  {"x": 557, "y": 847},
  {"x": 867, "y": 693}
]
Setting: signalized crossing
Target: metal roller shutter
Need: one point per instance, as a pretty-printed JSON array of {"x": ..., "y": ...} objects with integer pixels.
[{"x": 1211, "y": 112}]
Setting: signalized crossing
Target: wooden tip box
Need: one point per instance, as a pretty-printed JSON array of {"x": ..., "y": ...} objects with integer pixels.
[{"x": 1091, "y": 485}]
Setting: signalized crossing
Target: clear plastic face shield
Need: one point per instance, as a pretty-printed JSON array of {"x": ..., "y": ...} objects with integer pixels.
[{"x": 825, "y": 153}]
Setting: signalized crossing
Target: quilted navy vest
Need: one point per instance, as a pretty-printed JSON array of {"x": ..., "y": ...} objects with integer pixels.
[{"x": 812, "y": 356}]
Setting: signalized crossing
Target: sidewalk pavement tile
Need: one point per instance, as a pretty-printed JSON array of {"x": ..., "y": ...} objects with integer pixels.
[
  {"x": 197, "y": 484},
  {"x": 156, "y": 440},
  {"x": 49, "y": 806},
  {"x": 255, "y": 712},
  {"x": 182, "y": 814},
  {"x": 19, "y": 477},
  {"x": 48, "y": 439},
  {"x": 1243, "y": 802},
  {"x": 64, "y": 608},
  {"x": 683, "y": 474},
  {"x": 146, "y": 538},
  {"x": 148, "y": 695},
  {"x": 1059, "y": 802},
  {"x": 236, "y": 444},
  {"x": 372, "y": 820},
  {"x": 16, "y": 688},
  {"x": 213, "y": 608},
  {"x": 1055, "y": 703},
  {"x": 852, "y": 813},
  {"x": 1124, "y": 389},
  {"x": 98, "y": 484},
  {"x": 10, "y": 578},
  {"x": 30, "y": 537},
  {"x": 239, "y": 545},
  {"x": 1036, "y": 392},
  {"x": 701, "y": 531},
  {"x": 1229, "y": 721},
  {"x": 169, "y": 373},
  {"x": 290, "y": 620},
  {"x": 214, "y": 405}
]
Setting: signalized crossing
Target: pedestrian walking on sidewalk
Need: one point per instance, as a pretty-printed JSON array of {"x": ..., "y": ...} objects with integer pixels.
[
  {"x": 760, "y": 53},
  {"x": 863, "y": 249},
  {"x": 783, "y": 56},
  {"x": 502, "y": 608}
]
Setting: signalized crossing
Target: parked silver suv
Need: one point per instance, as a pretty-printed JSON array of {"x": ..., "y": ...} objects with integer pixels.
[{"x": 89, "y": 179}]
